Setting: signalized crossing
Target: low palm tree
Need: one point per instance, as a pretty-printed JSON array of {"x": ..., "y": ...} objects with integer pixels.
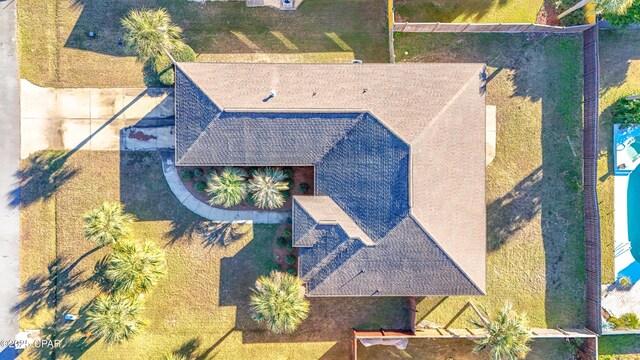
[
  {"x": 266, "y": 187},
  {"x": 227, "y": 188},
  {"x": 507, "y": 335},
  {"x": 135, "y": 268},
  {"x": 115, "y": 318},
  {"x": 107, "y": 223},
  {"x": 149, "y": 33},
  {"x": 278, "y": 300}
]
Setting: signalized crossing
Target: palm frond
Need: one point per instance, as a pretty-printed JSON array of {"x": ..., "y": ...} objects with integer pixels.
[
  {"x": 507, "y": 335},
  {"x": 107, "y": 223},
  {"x": 148, "y": 31},
  {"x": 115, "y": 318},
  {"x": 266, "y": 187},
  {"x": 135, "y": 269},
  {"x": 618, "y": 7},
  {"x": 278, "y": 301},
  {"x": 228, "y": 188}
]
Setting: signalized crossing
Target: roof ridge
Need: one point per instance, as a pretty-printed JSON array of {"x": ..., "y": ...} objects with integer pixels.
[
  {"x": 202, "y": 133},
  {"x": 330, "y": 257}
]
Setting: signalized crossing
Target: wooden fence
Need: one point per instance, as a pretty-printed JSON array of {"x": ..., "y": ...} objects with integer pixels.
[
  {"x": 590, "y": 178},
  {"x": 484, "y": 28}
]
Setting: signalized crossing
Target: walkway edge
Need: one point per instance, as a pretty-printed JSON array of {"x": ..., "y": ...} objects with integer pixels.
[{"x": 212, "y": 213}]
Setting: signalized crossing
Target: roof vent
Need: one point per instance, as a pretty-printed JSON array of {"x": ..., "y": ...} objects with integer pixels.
[{"x": 272, "y": 94}]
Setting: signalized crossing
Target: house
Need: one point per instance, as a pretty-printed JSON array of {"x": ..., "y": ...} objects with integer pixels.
[{"x": 399, "y": 156}]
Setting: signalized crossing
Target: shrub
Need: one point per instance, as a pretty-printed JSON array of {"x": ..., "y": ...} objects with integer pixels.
[
  {"x": 288, "y": 172},
  {"x": 278, "y": 300},
  {"x": 303, "y": 188},
  {"x": 290, "y": 246},
  {"x": 289, "y": 183},
  {"x": 164, "y": 67},
  {"x": 277, "y": 267},
  {"x": 632, "y": 16},
  {"x": 625, "y": 321},
  {"x": 281, "y": 242},
  {"x": 575, "y": 18},
  {"x": 287, "y": 234},
  {"x": 292, "y": 271},
  {"x": 197, "y": 172},
  {"x": 186, "y": 174},
  {"x": 291, "y": 259},
  {"x": 200, "y": 186},
  {"x": 286, "y": 194},
  {"x": 251, "y": 200},
  {"x": 211, "y": 172},
  {"x": 626, "y": 112}
]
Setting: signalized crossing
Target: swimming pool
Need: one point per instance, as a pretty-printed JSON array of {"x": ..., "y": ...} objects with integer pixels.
[{"x": 633, "y": 226}]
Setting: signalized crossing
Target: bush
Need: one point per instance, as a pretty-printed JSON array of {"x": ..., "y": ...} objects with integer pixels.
[
  {"x": 291, "y": 259},
  {"x": 303, "y": 188},
  {"x": 290, "y": 246},
  {"x": 625, "y": 321},
  {"x": 631, "y": 17},
  {"x": 292, "y": 271},
  {"x": 186, "y": 174},
  {"x": 251, "y": 200},
  {"x": 277, "y": 267},
  {"x": 575, "y": 18},
  {"x": 211, "y": 172},
  {"x": 288, "y": 172},
  {"x": 164, "y": 67},
  {"x": 281, "y": 242},
  {"x": 289, "y": 183},
  {"x": 200, "y": 186},
  {"x": 197, "y": 172},
  {"x": 286, "y": 194},
  {"x": 287, "y": 234},
  {"x": 626, "y": 112}
]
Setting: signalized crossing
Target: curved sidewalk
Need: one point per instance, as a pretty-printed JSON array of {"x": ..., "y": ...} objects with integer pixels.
[{"x": 208, "y": 212}]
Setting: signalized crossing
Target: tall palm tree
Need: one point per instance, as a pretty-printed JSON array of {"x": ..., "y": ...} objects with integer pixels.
[
  {"x": 618, "y": 7},
  {"x": 266, "y": 188},
  {"x": 507, "y": 335},
  {"x": 135, "y": 268},
  {"x": 278, "y": 300},
  {"x": 107, "y": 223},
  {"x": 150, "y": 32},
  {"x": 115, "y": 318},
  {"x": 227, "y": 188}
]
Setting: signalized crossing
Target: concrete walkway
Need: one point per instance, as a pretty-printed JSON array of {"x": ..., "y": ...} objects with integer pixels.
[
  {"x": 209, "y": 212},
  {"x": 9, "y": 162},
  {"x": 95, "y": 119}
]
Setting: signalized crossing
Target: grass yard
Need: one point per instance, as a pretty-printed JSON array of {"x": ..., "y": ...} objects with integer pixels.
[
  {"x": 619, "y": 77},
  {"x": 535, "y": 230},
  {"x": 482, "y": 11},
  {"x": 56, "y": 51},
  {"x": 201, "y": 308}
]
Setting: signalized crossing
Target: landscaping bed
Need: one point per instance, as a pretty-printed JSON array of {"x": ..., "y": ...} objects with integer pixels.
[
  {"x": 536, "y": 254},
  {"x": 299, "y": 180}
]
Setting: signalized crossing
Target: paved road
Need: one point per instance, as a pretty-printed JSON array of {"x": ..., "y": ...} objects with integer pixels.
[{"x": 9, "y": 161}]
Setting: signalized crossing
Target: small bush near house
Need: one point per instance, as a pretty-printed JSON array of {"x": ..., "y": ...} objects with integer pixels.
[
  {"x": 575, "y": 18},
  {"x": 164, "y": 67},
  {"x": 288, "y": 172},
  {"x": 291, "y": 259},
  {"x": 277, "y": 267},
  {"x": 186, "y": 175},
  {"x": 290, "y": 246},
  {"x": 286, "y": 194},
  {"x": 197, "y": 172},
  {"x": 292, "y": 271},
  {"x": 303, "y": 188},
  {"x": 281, "y": 242},
  {"x": 626, "y": 112},
  {"x": 632, "y": 16},
  {"x": 200, "y": 186},
  {"x": 628, "y": 321},
  {"x": 290, "y": 183},
  {"x": 287, "y": 234}
]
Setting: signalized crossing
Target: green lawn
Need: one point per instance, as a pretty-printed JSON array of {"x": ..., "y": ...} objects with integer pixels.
[
  {"x": 536, "y": 236},
  {"x": 479, "y": 11},
  {"x": 201, "y": 307},
  {"x": 619, "y": 77},
  {"x": 56, "y": 51}
]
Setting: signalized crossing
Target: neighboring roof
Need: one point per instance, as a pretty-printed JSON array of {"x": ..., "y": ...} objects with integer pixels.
[{"x": 398, "y": 151}]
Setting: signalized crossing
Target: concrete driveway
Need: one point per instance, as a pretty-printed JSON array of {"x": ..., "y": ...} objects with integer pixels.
[{"x": 95, "y": 119}]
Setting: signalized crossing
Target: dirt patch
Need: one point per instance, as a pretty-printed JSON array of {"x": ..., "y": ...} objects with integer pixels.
[
  {"x": 548, "y": 14},
  {"x": 301, "y": 183}
]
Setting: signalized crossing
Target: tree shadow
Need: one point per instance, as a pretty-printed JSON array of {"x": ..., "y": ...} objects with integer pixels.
[
  {"x": 616, "y": 59},
  {"x": 445, "y": 12},
  {"x": 41, "y": 177}
]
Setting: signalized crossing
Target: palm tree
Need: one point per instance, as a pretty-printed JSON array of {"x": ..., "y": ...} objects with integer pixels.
[
  {"x": 135, "y": 268},
  {"x": 227, "y": 188},
  {"x": 149, "y": 33},
  {"x": 266, "y": 187},
  {"x": 115, "y": 318},
  {"x": 107, "y": 223},
  {"x": 507, "y": 335},
  {"x": 618, "y": 7},
  {"x": 278, "y": 300}
]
